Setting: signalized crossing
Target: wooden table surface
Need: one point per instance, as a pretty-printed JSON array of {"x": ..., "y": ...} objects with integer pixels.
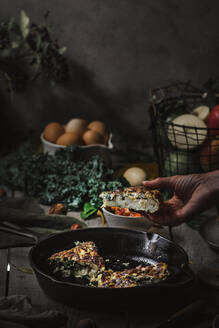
[{"x": 24, "y": 283}]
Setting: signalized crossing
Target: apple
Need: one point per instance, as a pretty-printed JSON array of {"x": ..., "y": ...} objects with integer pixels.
[{"x": 213, "y": 120}]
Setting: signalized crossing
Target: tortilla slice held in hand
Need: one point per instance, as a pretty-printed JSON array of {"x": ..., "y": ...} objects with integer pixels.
[{"x": 135, "y": 198}]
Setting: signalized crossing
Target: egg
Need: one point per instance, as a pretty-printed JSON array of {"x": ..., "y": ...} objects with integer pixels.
[
  {"x": 76, "y": 125},
  {"x": 68, "y": 139},
  {"x": 91, "y": 137},
  {"x": 99, "y": 127},
  {"x": 135, "y": 175},
  {"x": 52, "y": 131}
]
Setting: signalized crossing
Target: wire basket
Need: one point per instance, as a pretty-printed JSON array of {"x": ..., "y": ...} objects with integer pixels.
[{"x": 182, "y": 149}]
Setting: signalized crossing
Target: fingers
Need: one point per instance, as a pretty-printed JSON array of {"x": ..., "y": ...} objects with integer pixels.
[
  {"x": 190, "y": 210},
  {"x": 165, "y": 221},
  {"x": 165, "y": 216},
  {"x": 159, "y": 183},
  {"x": 169, "y": 214},
  {"x": 176, "y": 210}
]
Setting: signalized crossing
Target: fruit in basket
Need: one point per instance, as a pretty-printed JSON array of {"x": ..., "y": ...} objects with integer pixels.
[
  {"x": 187, "y": 132},
  {"x": 76, "y": 125},
  {"x": 52, "y": 131},
  {"x": 68, "y": 139},
  {"x": 202, "y": 112},
  {"x": 181, "y": 162},
  {"x": 163, "y": 124},
  {"x": 213, "y": 120},
  {"x": 175, "y": 112},
  {"x": 209, "y": 155}
]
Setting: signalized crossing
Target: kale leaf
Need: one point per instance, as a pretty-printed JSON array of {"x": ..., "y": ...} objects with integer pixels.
[{"x": 62, "y": 178}]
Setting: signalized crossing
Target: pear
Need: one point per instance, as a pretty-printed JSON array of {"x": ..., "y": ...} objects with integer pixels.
[{"x": 202, "y": 112}]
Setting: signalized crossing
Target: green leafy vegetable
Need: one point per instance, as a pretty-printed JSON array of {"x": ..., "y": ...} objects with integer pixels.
[
  {"x": 60, "y": 178},
  {"x": 88, "y": 210}
]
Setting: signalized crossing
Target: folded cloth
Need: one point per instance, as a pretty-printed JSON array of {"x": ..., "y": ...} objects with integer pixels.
[
  {"x": 17, "y": 309},
  {"x": 8, "y": 239},
  {"x": 28, "y": 212},
  {"x": 9, "y": 324}
]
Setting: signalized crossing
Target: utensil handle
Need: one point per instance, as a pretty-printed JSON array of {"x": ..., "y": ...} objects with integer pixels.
[
  {"x": 8, "y": 268},
  {"x": 170, "y": 228}
]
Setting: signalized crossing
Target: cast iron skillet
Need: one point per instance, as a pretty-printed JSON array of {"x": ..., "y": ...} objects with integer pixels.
[{"x": 124, "y": 245}]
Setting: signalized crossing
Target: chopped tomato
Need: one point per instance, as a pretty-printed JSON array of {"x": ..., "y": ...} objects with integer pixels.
[
  {"x": 75, "y": 226},
  {"x": 135, "y": 214},
  {"x": 124, "y": 211}
]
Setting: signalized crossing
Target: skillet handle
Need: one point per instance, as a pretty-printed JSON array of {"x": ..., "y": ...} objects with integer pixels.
[{"x": 189, "y": 276}]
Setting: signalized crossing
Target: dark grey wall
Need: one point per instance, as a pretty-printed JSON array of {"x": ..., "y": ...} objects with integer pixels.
[{"x": 117, "y": 50}]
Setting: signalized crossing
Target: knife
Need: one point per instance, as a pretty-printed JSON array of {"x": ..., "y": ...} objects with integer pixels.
[
  {"x": 8, "y": 269},
  {"x": 184, "y": 316}
]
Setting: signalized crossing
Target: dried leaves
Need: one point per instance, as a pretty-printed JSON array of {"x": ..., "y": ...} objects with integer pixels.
[{"x": 27, "y": 51}]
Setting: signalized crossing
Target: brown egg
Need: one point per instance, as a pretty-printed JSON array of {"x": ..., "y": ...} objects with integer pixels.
[
  {"x": 76, "y": 125},
  {"x": 52, "y": 131},
  {"x": 91, "y": 137},
  {"x": 99, "y": 127},
  {"x": 68, "y": 139}
]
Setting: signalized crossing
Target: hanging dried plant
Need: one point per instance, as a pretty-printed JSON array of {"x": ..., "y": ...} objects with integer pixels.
[{"x": 27, "y": 51}]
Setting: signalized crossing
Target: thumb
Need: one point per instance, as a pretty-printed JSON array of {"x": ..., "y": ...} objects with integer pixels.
[{"x": 158, "y": 183}]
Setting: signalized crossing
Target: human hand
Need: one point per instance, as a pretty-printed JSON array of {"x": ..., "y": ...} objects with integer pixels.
[{"x": 193, "y": 194}]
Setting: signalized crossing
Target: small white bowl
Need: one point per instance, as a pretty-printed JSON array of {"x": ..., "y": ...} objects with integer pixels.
[
  {"x": 128, "y": 222},
  {"x": 85, "y": 152},
  {"x": 50, "y": 148}
]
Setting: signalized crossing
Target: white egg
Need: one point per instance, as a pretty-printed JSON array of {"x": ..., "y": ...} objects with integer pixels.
[
  {"x": 76, "y": 125},
  {"x": 135, "y": 175}
]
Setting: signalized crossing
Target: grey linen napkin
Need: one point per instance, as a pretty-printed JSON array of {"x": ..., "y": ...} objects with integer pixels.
[
  {"x": 16, "y": 311},
  {"x": 25, "y": 205},
  {"x": 27, "y": 212},
  {"x": 11, "y": 240}
]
